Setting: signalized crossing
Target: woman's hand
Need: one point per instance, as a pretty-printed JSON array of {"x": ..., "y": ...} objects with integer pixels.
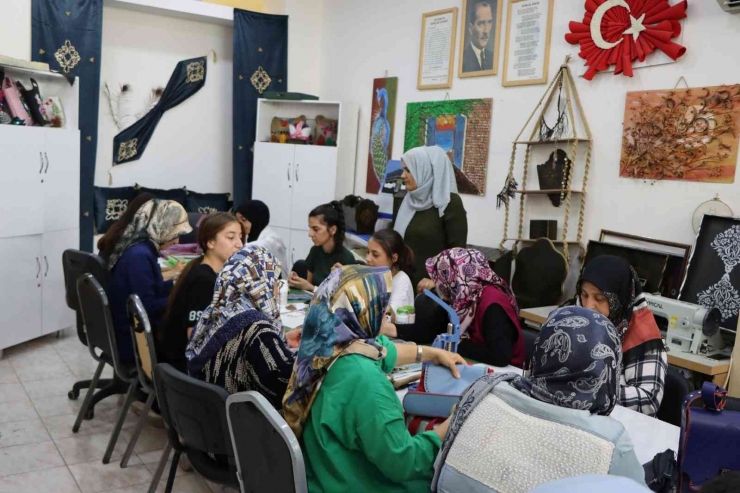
[
  {"x": 294, "y": 338},
  {"x": 298, "y": 282},
  {"x": 388, "y": 329},
  {"x": 425, "y": 284},
  {"x": 338, "y": 265},
  {"x": 441, "y": 357},
  {"x": 441, "y": 430}
]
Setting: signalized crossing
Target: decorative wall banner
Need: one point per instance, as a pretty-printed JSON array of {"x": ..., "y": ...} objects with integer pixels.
[
  {"x": 462, "y": 128},
  {"x": 479, "y": 38},
  {"x": 260, "y": 64},
  {"x": 437, "y": 49},
  {"x": 618, "y": 32},
  {"x": 682, "y": 134},
  {"x": 187, "y": 79},
  {"x": 67, "y": 34},
  {"x": 382, "y": 123},
  {"x": 527, "y": 51}
]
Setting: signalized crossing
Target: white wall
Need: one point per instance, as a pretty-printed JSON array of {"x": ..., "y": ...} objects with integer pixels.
[{"x": 364, "y": 39}]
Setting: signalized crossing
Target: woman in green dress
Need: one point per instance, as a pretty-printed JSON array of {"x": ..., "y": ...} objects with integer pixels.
[
  {"x": 431, "y": 217},
  {"x": 339, "y": 401}
]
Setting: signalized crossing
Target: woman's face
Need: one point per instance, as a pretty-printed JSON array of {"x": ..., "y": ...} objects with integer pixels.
[
  {"x": 408, "y": 179},
  {"x": 593, "y": 299},
  {"x": 228, "y": 241},
  {"x": 376, "y": 256},
  {"x": 319, "y": 232},
  {"x": 246, "y": 223}
]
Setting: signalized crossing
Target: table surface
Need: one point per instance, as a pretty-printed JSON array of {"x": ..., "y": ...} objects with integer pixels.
[{"x": 649, "y": 435}]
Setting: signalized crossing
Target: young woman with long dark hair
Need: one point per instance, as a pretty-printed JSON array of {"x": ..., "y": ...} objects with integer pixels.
[{"x": 387, "y": 249}]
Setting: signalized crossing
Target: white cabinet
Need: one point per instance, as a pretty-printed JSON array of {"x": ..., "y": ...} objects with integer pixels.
[
  {"x": 273, "y": 180},
  {"x": 21, "y": 168},
  {"x": 61, "y": 179},
  {"x": 314, "y": 183},
  {"x": 21, "y": 270},
  {"x": 300, "y": 244},
  {"x": 55, "y": 312}
]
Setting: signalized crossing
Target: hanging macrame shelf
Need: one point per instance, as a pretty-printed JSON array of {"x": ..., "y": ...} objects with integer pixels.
[{"x": 563, "y": 81}]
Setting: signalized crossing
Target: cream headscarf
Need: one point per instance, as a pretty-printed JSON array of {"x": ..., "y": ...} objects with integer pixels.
[{"x": 432, "y": 170}]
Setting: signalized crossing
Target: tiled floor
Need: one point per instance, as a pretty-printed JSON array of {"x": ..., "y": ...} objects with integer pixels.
[{"x": 39, "y": 452}]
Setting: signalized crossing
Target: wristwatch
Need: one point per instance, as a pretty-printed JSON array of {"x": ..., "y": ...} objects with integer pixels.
[{"x": 419, "y": 353}]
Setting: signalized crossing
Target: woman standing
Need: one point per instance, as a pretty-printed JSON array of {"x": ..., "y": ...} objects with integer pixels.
[
  {"x": 610, "y": 286},
  {"x": 386, "y": 249},
  {"x": 431, "y": 217},
  {"x": 219, "y": 236},
  {"x": 340, "y": 402},
  {"x": 254, "y": 215},
  {"x": 135, "y": 269},
  {"x": 238, "y": 342}
]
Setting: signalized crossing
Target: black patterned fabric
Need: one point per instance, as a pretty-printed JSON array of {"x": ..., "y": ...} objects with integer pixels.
[
  {"x": 179, "y": 195},
  {"x": 110, "y": 204},
  {"x": 206, "y": 203}
]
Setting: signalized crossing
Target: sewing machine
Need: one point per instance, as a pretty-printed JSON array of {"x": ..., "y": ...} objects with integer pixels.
[{"x": 689, "y": 328}]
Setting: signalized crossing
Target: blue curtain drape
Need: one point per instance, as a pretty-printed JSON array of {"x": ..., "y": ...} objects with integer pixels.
[
  {"x": 67, "y": 34},
  {"x": 260, "y": 64},
  {"x": 187, "y": 79}
]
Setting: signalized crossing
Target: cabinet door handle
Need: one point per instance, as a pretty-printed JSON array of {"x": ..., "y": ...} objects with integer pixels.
[
  {"x": 38, "y": 266},
  {"x": 47, "y": 163},
  {"x": 46, "y": 261},
  {"x": 292, "y": 257},
  {"x": 297, "y": 168},
  {"x": 41, "y": 158},
  {"x": 288, "y": 172}
]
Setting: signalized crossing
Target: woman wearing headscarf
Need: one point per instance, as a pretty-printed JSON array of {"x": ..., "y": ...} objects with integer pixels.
[
  {"x": 135, "y": 269},
  {"x": 254, "y": 216},
  {"x": 431, "y": 217},
  {"x": 610, "y": 286},
  {"x": 339, "y": 401},
  {"x": 238, "y": 342},
  {"x": 551, "y": 424}
]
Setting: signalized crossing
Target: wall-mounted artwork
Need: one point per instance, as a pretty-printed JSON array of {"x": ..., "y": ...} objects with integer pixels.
[
  {"x": 479, "y": 35},
  {"x": 682, "y": 134},
  {"x": 392, "y": 181},
  {"x": 462, "y": 128},
  {"x": 382, "y": 123}
]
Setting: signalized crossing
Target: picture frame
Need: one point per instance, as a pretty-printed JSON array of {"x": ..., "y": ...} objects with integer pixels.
[
  {"x": 538, "y": 72},
  {"x": 437, "y": 49},
  {"x": 469, "y": 62}
]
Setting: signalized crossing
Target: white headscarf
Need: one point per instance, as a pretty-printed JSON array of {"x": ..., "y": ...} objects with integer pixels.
[{"x": 432, "y": 170}]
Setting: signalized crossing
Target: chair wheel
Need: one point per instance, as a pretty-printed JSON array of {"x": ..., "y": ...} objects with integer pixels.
[
  {"x": 90, "y": 414},
  {"x": 73, "y": 395}
]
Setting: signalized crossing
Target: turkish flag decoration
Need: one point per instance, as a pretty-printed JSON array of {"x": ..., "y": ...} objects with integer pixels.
[{"x": 618, "y": 32}]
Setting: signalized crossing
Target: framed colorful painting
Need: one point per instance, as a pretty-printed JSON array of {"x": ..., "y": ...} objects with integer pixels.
[
  {"x": 462, "y": 128},
  {"x": 682, "y": 134},
  {"x": 382, "y": 123}
]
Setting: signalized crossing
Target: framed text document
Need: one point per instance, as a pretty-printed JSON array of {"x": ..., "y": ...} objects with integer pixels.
[
  {"x": 437, "y": 49},
  {"x": 527, "y": 51}
]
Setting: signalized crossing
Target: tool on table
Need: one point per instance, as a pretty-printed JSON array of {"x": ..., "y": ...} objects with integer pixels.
[
  {"x": 689, "y": 328},
  {"x": 451, "y": 339}
]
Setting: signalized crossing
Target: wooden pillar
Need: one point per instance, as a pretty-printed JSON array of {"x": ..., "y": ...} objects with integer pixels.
[{"x": 734, "y": 388}]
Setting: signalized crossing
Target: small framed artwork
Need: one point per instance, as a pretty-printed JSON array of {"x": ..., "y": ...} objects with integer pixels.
[
  {"x": 479, "y": 33},
  {"x": 437, "y": 49},
  {"x": 527, "y": 50}
]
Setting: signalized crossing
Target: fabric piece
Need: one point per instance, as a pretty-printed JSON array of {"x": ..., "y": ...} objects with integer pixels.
[
  {"x": 461, "y": 274},
  {"x": 355, "y": 438},
  {"x": 257, "y": 213},
  {"x": 246, "y": 285},
  {"x": 255, "y": 358},
  {"x": 260, "y": 64},
  {"x": 157, "y": 221},
  {"x": 188, "y": 78},
  {"x": 576, "y": 362},
  {"x": 590, "y": 483},
  {"x": 67, "y": 34},
  {"x": 207, "y": 203},
  {"x": 428, "y": 234},
  {"x": 270, "y": 240},
  {"x": 110, "y": 204},
  {"x": 348, "y": 307},
  {"x": 435, "y": 179},
  {"x": 319, "y": 263}
]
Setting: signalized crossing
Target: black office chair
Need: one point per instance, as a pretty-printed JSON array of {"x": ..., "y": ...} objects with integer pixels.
[
  {"x": 677, "y": 387},
  {"x": 76, "y": 263},
  {"x": 195, "y": 415},
  {"x": 101, "y": 336},
  {"x": 268, "y": 455}
]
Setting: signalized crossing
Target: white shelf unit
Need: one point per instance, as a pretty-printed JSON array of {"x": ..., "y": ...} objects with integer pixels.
[
  {"x": 292, "y": 179},
  {"x": 39, "y": 200}
]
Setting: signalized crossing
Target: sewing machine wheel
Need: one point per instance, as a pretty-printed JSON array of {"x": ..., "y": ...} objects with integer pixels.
[{"x": 711, "y": 322}]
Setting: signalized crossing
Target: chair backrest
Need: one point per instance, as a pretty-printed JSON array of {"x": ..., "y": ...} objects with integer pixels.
[
  {"x": 265, "y": 445},
  {"x": 74, "y": 264},
  {"x": 97, "y": 318},
  {"x": 676, "y": 388},
  {"x": 144, "y": 348},
  {"x": 539, "y": 274},
  {"x": 194, "y": 411}
]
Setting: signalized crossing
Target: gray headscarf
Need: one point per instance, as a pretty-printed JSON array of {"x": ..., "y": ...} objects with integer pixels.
[{"x": 432, "y": 170}]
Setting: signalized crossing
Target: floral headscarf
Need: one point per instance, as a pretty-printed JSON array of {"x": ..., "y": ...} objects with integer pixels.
[
  {"x": 245, "y": 287},
  {"x": 460, "y": 275},
  {"x": 577, "y": 362},
  {"x": 348, "y": 308},
  {"x": 158, "y": 221}
]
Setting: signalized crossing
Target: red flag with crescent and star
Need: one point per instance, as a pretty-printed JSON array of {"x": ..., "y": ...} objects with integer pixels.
[{"x": 618, "y": 32}]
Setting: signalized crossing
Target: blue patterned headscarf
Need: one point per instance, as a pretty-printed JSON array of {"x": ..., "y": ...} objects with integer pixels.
[
  {"x": 576, "y": 363},
  {"x": 348, "y": 307},
  {"x": 244, "y": 289}
]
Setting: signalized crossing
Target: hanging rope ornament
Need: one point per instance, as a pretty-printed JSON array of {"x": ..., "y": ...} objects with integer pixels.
[{"x": 618, "y": 32}]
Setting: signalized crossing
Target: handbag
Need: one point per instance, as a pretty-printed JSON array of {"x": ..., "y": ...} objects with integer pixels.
[
  {"x": 5, "y": 116},
  {"x": 32, "y": 97},
  {"x": 18, "y": 107},
  {"x": 710, "y": 437}
]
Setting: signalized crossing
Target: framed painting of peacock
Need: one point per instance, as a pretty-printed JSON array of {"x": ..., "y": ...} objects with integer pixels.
[{"x": 382, "y": 123}]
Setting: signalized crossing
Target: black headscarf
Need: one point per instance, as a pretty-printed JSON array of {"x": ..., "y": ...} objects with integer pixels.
[{"x": 257, "y": 213}]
